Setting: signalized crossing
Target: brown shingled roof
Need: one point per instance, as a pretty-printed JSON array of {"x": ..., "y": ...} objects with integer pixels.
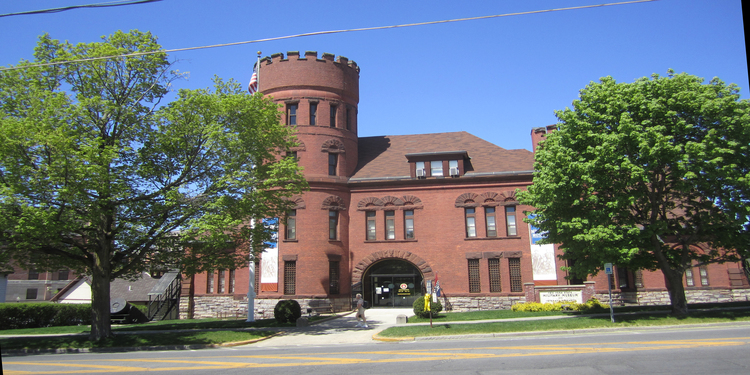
[{"x": 385, "y": 156}]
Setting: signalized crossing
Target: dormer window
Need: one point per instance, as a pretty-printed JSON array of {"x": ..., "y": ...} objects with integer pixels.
[
  {"x": 439, "y": 164},
  {"x": 436, "y": 168},
  {"x": 453, "y": 168},
  {"x": 421, "y": 172}
]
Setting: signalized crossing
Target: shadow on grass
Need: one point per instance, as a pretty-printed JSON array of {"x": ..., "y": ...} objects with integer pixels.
[{"x": 132, "y": 340}]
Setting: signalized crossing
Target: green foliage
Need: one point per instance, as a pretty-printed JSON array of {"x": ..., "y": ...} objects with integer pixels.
[
  {"x": 287, "y": 311},
  {"x": 653, "y": 174},
  {"x": 592, "y": 305},
  {"x": 98, "y": 176},
  {"x": 435, "y": 308},
  {"x": 36, "y": 315}
]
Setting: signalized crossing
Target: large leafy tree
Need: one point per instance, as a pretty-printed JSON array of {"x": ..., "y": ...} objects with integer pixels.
[
  {"x": 653, "y": 174},
  {"x": 98, "y": 175}
]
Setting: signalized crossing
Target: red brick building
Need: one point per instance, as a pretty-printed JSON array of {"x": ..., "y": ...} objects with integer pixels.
[{"x": 384, "y": 214}]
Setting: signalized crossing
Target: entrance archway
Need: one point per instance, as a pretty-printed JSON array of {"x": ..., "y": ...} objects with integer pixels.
[{"x": 392, "y": 283}]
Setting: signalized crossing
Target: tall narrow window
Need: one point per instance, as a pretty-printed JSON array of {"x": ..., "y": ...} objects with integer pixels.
[
  {"x": 471, "y": 226},
  {"x": 408, "y": 224},
  {"x": 333, "y": 161},
  {"x": 222, "y": 282},
  {"x": 489, "y": 219},
  {"x": 390, "y": 225},
  {"x": 703, "y": 270},
  {"x": 510, "y": 220},
  {"x": 348, "y": 118},
  {"x": 622, "y": 278},
  {"x": 638, "y": 279},
  {"x": 436, "y": 168},
  {"x": 494, "y": 268},
  {"x": 291, "y": 114},
  {"x": 689, "y": 281},
  {"x": 210, "y": 282},
  {"x": 333, "y": 116},
  {"x": 290, "y": 277},
  {"x": 313, "y": 113},
  {"x": 333, "y": 277},
  {"x": 514, "y": 266},
  {"x": 291, "y": 225},
  {"x": 232, "y": 278},
  {"x": 371, "y": 234},
  {"x": 474, "y": 284},
  {"x": 333, "y": 223}
]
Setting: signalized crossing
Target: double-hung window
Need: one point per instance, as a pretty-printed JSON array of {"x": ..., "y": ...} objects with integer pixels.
[
  {"x": 333, "y": 224},
  {"x": 471, "y": 224},
  {"x": 489, "y": 216},
  {"x": 421, "y": 173},
  {"x": 390, "y": 225},
  {"x": 333, "y": 161},
  {"x": 291, "y": 225},
  {"x": 313, "y": 113},
  {"x": 291, "y": 114},
  {"x": 333, "y": 116},
  {"x": 371, "y": 233},
  {"x": 436, "y": 168},
  {"x": 409, "y": 224},
  {"x": 510, "y": 220}
]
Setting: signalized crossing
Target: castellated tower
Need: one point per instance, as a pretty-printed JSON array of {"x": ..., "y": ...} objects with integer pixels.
[{"x": 319, "y": 96}]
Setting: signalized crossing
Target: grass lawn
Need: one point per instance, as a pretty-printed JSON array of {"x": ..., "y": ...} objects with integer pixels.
[
  {"x": 170, "y": 332},
  {"x": 443, "y": 327},
  {"x": 131, "y": 340}
]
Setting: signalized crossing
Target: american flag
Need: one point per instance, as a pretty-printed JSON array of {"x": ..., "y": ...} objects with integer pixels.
[{"x": 253, "y": 86}]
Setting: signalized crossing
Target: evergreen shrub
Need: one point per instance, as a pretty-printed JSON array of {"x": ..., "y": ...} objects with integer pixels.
[
  {"x": 43, "y": 314},
  {"x": 435, "y": 308},
  {"x": 592, "y": 305},
  {"x": 287, "y": 311}
]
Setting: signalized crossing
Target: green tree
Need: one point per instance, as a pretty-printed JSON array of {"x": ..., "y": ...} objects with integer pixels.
[
  {"x": 97, "y": 176},
  {"x": 653, "y": 174}
]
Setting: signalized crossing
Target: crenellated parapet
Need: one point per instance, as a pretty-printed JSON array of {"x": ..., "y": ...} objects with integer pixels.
[
  {"x": 309, "y": 56},
  {"x": 298, "y": 76}
]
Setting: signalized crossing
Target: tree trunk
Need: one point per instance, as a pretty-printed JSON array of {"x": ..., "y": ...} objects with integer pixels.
[
  {"x": 676, "y": 292},
  {"x": 101, "y": 327}
]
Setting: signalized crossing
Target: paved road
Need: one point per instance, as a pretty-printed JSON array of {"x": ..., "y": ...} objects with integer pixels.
[{"x": 720, "y": 349}]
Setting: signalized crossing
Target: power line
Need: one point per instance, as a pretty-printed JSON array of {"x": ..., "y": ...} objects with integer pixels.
[
  {"x": 97, "y": 5},
  {"x": 321, "y": 33}
]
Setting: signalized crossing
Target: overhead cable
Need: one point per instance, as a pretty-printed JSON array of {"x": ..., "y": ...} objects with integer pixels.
[{"x": 135, "y": 54}]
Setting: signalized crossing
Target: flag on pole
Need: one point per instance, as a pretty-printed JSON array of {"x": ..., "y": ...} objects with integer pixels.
[
  {"x": 253, "y": 86},
  {"x": 437, "y": 285}
]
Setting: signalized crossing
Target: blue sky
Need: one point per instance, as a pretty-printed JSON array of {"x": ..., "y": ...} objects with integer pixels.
[{"x": 495, "y": 78}]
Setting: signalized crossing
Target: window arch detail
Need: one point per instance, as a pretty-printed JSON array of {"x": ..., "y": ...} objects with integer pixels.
[
  {"x": 333, "y": 203},
  {"x": 333, "y": 146},
  {"x": 467, "y": 200}
]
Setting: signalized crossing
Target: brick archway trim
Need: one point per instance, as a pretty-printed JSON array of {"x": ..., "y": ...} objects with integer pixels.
[{"x": 421, "y": 264}]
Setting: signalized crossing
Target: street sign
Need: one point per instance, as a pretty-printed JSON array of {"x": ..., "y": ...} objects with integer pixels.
[{"x": 608, "y": 268}]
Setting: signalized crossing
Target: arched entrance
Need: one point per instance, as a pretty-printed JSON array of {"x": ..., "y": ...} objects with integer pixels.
[{"x": 392, "y": 283}]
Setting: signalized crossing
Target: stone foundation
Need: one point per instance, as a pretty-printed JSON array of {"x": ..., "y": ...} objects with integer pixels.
[
  {"x": 460, "y": 304},
  {"x": 648, "y": 298},
  {"x": 227, "y": 307}
]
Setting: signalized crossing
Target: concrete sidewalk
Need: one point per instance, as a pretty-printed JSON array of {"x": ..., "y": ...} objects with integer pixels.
[{"x": 341, "y": 330}]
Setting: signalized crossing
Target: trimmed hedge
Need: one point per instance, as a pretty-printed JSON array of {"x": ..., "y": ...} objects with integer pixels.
[
  {"x": 435, "y": 308},
  {"x": 592, "y": 305},
  {"x": 43, "y": 314},
  {"x": 287, "y": 310}
]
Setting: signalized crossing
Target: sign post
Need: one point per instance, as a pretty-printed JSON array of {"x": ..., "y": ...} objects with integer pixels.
[{"x": 608, "y": 271}]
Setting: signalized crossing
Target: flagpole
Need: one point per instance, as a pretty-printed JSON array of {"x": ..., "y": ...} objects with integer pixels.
[{"x": 257, "y": 67}]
